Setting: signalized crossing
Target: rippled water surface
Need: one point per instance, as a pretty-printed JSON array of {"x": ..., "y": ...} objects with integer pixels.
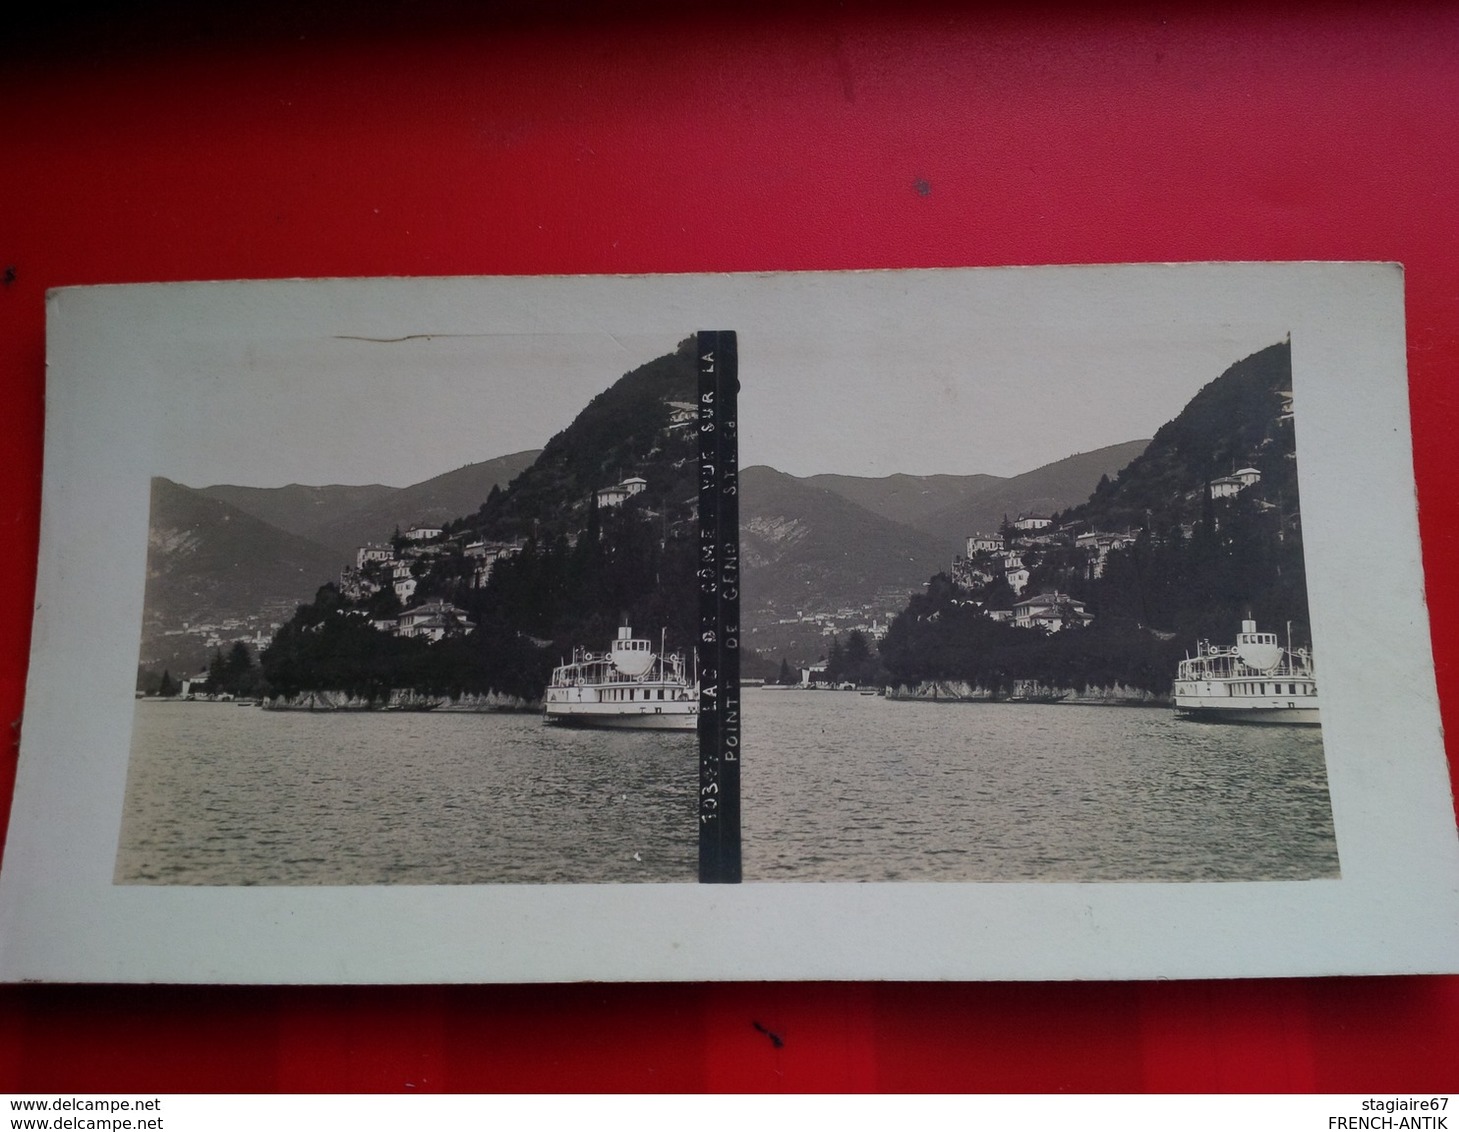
[
  {"x": 220, "y": 794},
  {"x": 838, "y": 786}
]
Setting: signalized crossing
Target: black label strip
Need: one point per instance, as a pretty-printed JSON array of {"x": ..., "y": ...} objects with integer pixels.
[{"x": 719, "y": 609}]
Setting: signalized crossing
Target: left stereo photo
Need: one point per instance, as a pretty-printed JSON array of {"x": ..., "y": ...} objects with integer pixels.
[{"x": 470, "y": 661}]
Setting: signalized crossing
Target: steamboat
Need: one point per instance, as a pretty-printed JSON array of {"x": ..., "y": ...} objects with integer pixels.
[
  {"x": 630, "y": 687},
  {"x": 1254, "y": 681}
]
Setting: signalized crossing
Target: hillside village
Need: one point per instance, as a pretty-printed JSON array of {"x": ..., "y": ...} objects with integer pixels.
[
  {"x": 597, "y": 529},
  {"x": 381, "y": 587},
  {"x": 423, "y": 551},
  {"x": 1031, "y": 552},
  {"x": 1173, "y": 548},
  {"x": 1034, "y": 547},
  {"x": 398, "y": 588}
]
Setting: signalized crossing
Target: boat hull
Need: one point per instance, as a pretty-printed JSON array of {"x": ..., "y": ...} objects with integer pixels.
[
  {"x": 613, "y": 717},
  {"x": 1239, "y": 713}
]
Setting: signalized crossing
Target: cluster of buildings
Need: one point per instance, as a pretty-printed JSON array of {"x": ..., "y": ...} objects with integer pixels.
[
  {"x": 842, "y": 621},
  {"x": 226, "y": 632},
  {"x": 401, "y": 563},
  {"x": 1012, "y": 558},
  {"x": 1029, "y": 538},
  {"x": 400, "y": 566},
  {"x": 989, "y": 557}
]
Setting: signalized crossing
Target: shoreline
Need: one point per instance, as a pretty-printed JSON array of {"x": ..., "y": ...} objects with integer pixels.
[
  {"x": 1027, "y": 692},
  {"x": 402, "y": 700}
]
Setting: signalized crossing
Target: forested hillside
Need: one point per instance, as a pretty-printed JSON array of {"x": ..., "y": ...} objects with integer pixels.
[
  {"x": 567, "y": 571},
  {"x": 1194, "y": 551}
]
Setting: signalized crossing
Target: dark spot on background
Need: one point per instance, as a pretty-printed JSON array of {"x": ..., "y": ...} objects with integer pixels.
[{"x": 775, "y": 1039}]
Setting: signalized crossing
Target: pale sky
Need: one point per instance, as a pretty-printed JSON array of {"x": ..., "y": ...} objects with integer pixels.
[{"x": 394, "y": 381}]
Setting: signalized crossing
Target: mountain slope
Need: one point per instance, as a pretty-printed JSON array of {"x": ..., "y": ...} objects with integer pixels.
[
  {"x": 578, "y": 563},
  {"x": 623, "y": 431},
  {"x": 806, "y": 548},
  {"x": 1234, "y": 421},
  {"x": 208, "y": 560},
  {"x": 906, "y": 499}
]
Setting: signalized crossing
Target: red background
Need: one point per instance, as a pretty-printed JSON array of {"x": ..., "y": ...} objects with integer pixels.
[{"x": 186, "y": 142}]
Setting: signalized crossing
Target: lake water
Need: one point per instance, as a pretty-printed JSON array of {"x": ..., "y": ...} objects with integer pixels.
[
  {"x": 220, "y": 794},
  {"x": 836, "y": 787}
]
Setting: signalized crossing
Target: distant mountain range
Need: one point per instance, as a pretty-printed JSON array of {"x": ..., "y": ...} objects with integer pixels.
[
  {"x": 952, "y": 507},
  {"x": 909, "y": 500},
  {"x": 1053, "y": 487},
  {"x": 342, "y": 518}
]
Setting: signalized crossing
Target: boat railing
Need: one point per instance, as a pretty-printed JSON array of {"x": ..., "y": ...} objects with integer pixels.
[
  {"x": 1226, "y": 664},
  {"x": 591, "y": 668}
]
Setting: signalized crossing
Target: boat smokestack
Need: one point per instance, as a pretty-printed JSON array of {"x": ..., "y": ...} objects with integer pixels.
[{"x": 1248, "y": 626}]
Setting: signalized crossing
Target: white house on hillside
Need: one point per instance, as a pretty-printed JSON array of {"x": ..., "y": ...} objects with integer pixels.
[
  {"x": 1049, "y": 611},
  {"x": 433, "y": 620},
  {"x": 621, "y": 492},
  {"x": 373, "y": 552},
  {"x": 682, "y": 413},
  {"x": 1238, "y": 481}
]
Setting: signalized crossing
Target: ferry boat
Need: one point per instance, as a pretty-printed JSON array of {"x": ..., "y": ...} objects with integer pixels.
[
  {"x": 1254, "y": 681},
  {"x": 630, "y": 687}
]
